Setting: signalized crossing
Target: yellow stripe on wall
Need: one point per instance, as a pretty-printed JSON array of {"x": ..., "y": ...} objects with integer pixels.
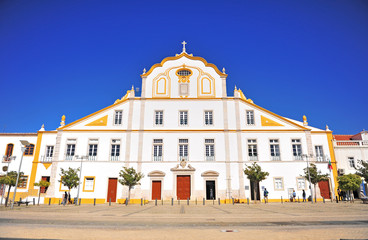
[{"x": 35, "y": 161}]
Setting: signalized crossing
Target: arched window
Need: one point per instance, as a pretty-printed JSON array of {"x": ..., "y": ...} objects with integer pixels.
[
  {"x": 9, "y": 149},
  {"x": 29, "y": 150}
]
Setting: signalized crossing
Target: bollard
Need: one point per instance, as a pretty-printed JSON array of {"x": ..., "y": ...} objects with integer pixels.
[
  {"x": 323, "y": 199},
  {"x": 144, "y": 201},
  {"x": 187, "y": 201},
  {"x": 80, "y": 201},
  {"x": 126, "y": 201},
  {"x": 204, "y": 202},
  {"x": 233, "y": 200},
  {"x": 172, "y": 201},
  {"x": 219, "y": 201},
  {"x": 109, "y": 201},
  {"x": 156, "y": 202},
  {"x": 34, "y": 202},
  {"x": 59, "y": 201},
  {"x": 213, "y": 201},
  {"x": 179, "y": 201},
  {"x": 298, "y": 200},
  {"x": 248, "y": 201},
  {"x": 49, "y": 201},
  {"x": 281, "y": 200},
  {"x": 331, "y": 199},
  {"x": 141, "y": 201},
  {"x": 94, "y": 202}
]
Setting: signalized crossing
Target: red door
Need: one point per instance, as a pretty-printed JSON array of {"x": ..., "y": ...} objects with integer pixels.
[
  {"x": 111, "y": 190},
  {"x": 156, "y": 190},
  {"x": 324, "y": 188},
  {"x": 183, "y": 187}
]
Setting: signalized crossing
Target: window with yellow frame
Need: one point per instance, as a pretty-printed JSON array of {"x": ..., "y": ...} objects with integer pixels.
[{"x": 89, "y": 184}]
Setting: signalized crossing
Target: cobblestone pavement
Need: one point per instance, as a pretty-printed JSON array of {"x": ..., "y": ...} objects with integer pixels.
[{"x": 254, "y": 221}]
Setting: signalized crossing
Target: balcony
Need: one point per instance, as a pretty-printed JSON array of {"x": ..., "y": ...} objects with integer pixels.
[
  {"x": 92, "y": 158},
  {"x": 253, "y": 158},
  {"x": 298, "y": 158},
  {"x": 46, "y": 159},
  {"x": 183, "y": 158},
  {"x": 157, "y": 158},
  {"x": 351, "y": 143},
  {"x": 275, "y": 158},
  {"x": 69, "y": 157},
  {"x": 321, "y": 159},
  {"x": 7, "y": 159},
  {"x": 114, "y": 158},
  {"x": 210, "y": 158}
]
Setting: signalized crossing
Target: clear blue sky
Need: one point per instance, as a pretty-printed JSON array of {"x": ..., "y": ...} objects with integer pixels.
[{"x": 290, "y": 57}]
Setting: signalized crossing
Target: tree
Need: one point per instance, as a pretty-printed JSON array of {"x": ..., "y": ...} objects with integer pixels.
[
  {"x": 315, "y": 176},
  {"x": 10, "y": 180},
  {"x": 69, "y": 178},
  {"x": 255, "y": 174},
  {"x": 349, "y": 182},
  {"x": 130, "y": 178},
  {"x": 363, "y": 170},
  {"x": 41, "y": 183}
]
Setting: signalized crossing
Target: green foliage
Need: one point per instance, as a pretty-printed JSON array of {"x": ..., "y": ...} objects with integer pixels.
[
  {"x": 42, "y": 183},
  {"x": 255, "y": 173},
  {"x": 69, "y": 177},
  {"x": 315, "y": 175},
  {"x": 10, "y": 178},
  {"x": 363, "y": 170},
  {"x": 130, "y": 178},
  {"x": 349, "y": 182}
]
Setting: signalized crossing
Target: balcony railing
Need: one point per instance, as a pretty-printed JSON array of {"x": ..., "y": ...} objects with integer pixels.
[
  {"x": 351, "y": 143},
  {"x": 157, "y": 158},
  {"x": 92, "y": 158},
  {"x": 275, "y": 158},
  {"x": 114, "y": 158},
  {"x": 69, "y": 157},
  {"x": 183, "y": 158},
  {"x": 6, "y": 159},
  {"x": 253, "y": 158},
  {"x": 298, "y": 157},
  {"x": 210, "y": 158},
  {"x": 321, "y": 159},
  {"x": 46, "y": 159}
]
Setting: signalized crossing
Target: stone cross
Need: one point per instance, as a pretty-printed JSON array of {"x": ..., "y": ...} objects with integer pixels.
[{"x": 184, "y": 42}]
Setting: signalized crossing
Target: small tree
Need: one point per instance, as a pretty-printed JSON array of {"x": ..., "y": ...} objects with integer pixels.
[
  {"x": 315, "y": 176},
  {"x": 349, "y": 182},
  {"x": 363, "y": 170},
  {"x": 130, "y": 178},
  {"x": 10, "y": 180},
  {"x": 69, "y": 178},
  {"x": 255, "y": 174},
  {"x": 41, "y": 183}
]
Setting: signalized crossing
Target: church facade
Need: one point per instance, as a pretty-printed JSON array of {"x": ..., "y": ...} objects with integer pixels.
[{"x": 189, "y": 138}]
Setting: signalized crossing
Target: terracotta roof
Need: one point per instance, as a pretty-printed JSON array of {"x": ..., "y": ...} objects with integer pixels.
[{"x": 342, "y": 137}]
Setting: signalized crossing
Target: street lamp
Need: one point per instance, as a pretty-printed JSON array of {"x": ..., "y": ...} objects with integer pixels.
[
  {"x": 80, "y": 175},
  {"x": 309, "y": 179},
  {"x": 24, "y": 146},
  {"x": 7, "y": 159}
]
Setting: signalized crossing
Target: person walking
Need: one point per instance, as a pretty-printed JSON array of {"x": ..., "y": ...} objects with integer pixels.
[
  {"x": 339, "y": 193},
  {"x": 265, "y": 194},
  {"x": 294, "y": 196},
  {"x": 65, "y": 199},
  {"x": 304, "y": 195}
]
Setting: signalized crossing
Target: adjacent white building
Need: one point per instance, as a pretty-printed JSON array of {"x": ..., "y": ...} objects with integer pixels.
[{"x": 186, "y": 134}]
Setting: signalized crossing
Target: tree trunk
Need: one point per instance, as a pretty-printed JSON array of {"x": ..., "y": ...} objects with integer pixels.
[
  {"x": 315, "y": 193},
  {"x": 255, "y": 191},
  {"x": 129, "y": 194},
  {"x": 7, "y": 197},
  {"x": 39, "y": 195}
]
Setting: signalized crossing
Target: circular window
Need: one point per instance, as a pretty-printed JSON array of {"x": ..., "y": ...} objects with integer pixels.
[{"x": 184, "y": 73}]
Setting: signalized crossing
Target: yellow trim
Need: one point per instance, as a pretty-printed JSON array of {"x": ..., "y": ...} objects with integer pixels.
[
  {"x": 26, "y": 183},
  {"x": 99, "y": 122},
  {"x": 33, "y": 153},
  {"x": 333, "y": 160},
  {"x": 183, "y": 79},
  {"x": 132, "y": 201},
  {"x": 184, "y": 54},
  {"x": 186, "y": 130},
  {"x": 35, "y": 160},
  {"x": 46, "y": 165},
  {"x": 156, "y": 82},
  {"x": 84, "y": 183},
  {"x": 6, "y": 149},
  {"x": 83, "y": 201},
  {"x": 268, "y": 122}
]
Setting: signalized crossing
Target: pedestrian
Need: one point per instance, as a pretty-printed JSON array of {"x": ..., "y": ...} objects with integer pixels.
[
  {"x": 65, "y": 198},
  {"x": 70, "y": 201},
  {"x": 265, "y": 194},
  {"x": 339, "y": 193},
  {"x": 304, "y": 195},
  {"x": 294, "y": 196}
]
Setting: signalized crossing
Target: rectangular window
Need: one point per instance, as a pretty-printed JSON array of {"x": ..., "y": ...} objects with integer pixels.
[
  {"x": 210, "y": 149},
  {"x": 297, "y": 149},
  {"x": 49, "y": 153},
  {"x": 183, "y": 118},
  {"x": 157, "y": 150},
  {"x": 319, "y": 153},
  {"x": 208, "y": 120},
  {"x": 351, "y": 162},
  {"x": 279, "y": 185},
  {"x": 92, "y": 149},
  {"x": 301, "y": 183},
  {"x": 115, "y": 150},
  {"x": 29, "y": 150},
  {"x": 70, "y": 151},
  {"x": 89, "y": 184},
  {"x": 183, "y": 149},
  {"x": 22, "y": 182},
  {"x": 118, "y": 117},
  {"x": 275, "y": 149},
  {"x": 250, "y": 117},
  {"x": 252, "y": 150},
  {"x": 159, "y": 118}
]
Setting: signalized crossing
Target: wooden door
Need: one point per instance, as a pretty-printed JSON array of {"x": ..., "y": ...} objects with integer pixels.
[
  {"x": 183, "y": 187},
  {"x": 324, "y": 188},
  {"x": 111, "y": 190},
  {"x": 156, "y": 190}
]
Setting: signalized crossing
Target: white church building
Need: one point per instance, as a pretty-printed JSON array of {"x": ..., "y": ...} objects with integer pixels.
[{"x": 185, "y": 133}]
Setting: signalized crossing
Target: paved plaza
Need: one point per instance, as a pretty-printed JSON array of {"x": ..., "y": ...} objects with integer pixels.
[{"x": 240, "y": 221}]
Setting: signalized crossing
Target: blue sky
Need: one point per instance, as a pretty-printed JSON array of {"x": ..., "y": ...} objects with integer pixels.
[{"x": 290, "y": 57}]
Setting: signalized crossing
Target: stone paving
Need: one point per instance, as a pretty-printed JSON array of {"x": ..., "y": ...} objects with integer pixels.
[{"x": 240, "y": 221}]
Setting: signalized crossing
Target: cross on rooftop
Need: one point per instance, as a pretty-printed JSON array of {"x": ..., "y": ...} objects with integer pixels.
[{"x": 184, "y": 42}]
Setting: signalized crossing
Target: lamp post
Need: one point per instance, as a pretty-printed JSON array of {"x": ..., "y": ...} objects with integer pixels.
[
  {"x": 23, "y": 148},
  {"x": 8, "y": 159},
  {"x": 80, "y": 175},
  {"x": 309, "y": 179}
]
